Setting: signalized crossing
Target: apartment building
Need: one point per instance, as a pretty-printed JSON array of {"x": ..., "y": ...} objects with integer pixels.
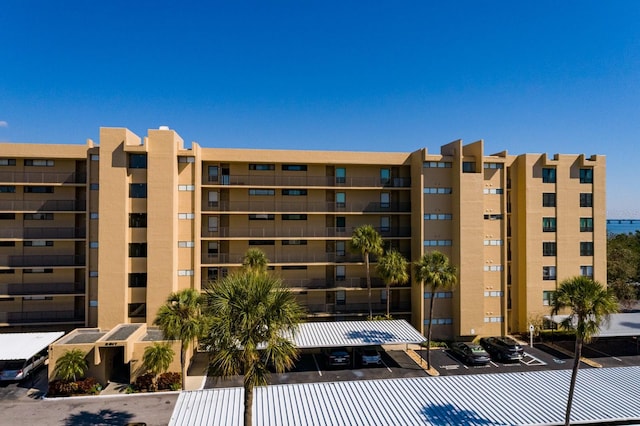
[{"x": 99, "y": 235}]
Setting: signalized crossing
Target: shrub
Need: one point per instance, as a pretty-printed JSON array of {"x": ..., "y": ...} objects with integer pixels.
[
  {"x": 168, "y": 381},
  {"x": 144, "y": 382},
  {"x": 62, "y": 388},
  {"x": 85, "y": 386}
]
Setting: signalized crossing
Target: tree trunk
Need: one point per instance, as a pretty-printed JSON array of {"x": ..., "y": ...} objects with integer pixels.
[
  {"x": 248, "y": 404},
  {"x": 574, "y": 376},
  {"x": 366, "y": 262},
  {"x": 388, "y": 297},
  {"x": 429, "y": 330},
  {"x": 183, "y": 355}
]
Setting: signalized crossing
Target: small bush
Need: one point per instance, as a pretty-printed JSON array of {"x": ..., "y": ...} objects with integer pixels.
[
  {"x": 62, "y": 388},
  {"x": 130, "y": 389},
  {"x": 168, "y": 381},
  {"x": 145, "y": 382},
  {"x": 85, "y": 386}
]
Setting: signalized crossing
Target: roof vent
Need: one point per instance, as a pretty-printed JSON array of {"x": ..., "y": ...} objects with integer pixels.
[{"x": 163, "y": 128}]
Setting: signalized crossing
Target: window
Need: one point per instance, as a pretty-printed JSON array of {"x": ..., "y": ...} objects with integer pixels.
[
  {"x": 548, "y": 224},
  {"x": 440, "y": 321},
  {"x": 586, "y": 248},
  {"x": 294, "y": 268},
  {"x": 137, "y": 249},
  {"x": 137, "y": 161},
  {"x": 254, "y": 191},
  {"x": 548, "y": 273},
  {"x": 7, "y": 161},
  {"x": 340, "y": 248},
  {"x": 493, "y": 268},
  {"x": 38, "y": 243},
  {"x": 548, "y": 175},
  {"x": 213, "y": 223},
  {"x": 93, "y": 274},
  {"x": 293, "y": 216},
  {"x": 493, "y": 217},
  {"x": 586, "y": 224},
  {"x": 137, "y": 310},
  {"x": 436, "y": 164},
  {"x": 39, "y": 163},
  {"x": 341, "y": 223},
  {"x": 294, "y": 167},
  {"x": 38, "y": 216},
  {"x": 493, "y": 319},
  {"x": 383, "y": 296},
  {"x": 186, "y": 188},
  {"x": 493, "y": 293},
  {"x": 586, "y": 175},
  {"x": 549, "y": 199},
  {"x": 137, "y": 190},
  {"x": 586, "y": 271},
  {"x": 137, "y": 220},
  {"x": 186, "y": 244},
  {"x": 549, "y": 248},
  {"x": 294, "y": 242},
  {"x": 547, "y": 298},
  {"x": 385, "y": 175},
  {"x": 187, "y": 216},
  {"x": 493, "y": 165},
  {"x": 341, "y": 273},
  {"x": 341, "y": 199},
  {"x": 92, "y": 244},
  {"x": 94, "y": 186},
  {"x": 10, "y": 189},
  {"x": 294, "y": 192},
  {"x": 262, "y": 216},
  {"x": 438, "y": 295},
  {"x": 38, "y": 189},
  {"x": 212, "y": 248},
  {"x": 7, "y": 216},
  {"x": 138, "y": 279},
  {"x": 262, "y": 242},
  {"x": 437, "y": 190},
  {"x": 186, "y": 159},
  {"x": 213, "y": 173},
  {"x": 468, "y": 167},
  {"x": 94, "y": 157},
  {"x": 493, "y": 191},
  {"x": 93, "y": 215},
  {"x": 586, "y": 199},
  {"x": 214, "y": 198},
  {"x": 7, "y": 272},
  {"x": 492, "y": 242},
  {"x": 385, "y": 224},
  {"x": 385, "y": 200},
  {"x": 7, "y": 243},
  {"x": 38, "y": 271},
  {"x": 341, "y": 297},
  {"x": 262, "y": 167},
  {"x": 434, "y": 243},
  {"x": 341, "y": 175},
  {"x": 185, "y": 272}
]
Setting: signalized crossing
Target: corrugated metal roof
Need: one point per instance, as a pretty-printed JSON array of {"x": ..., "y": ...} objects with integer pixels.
[
  {"x": 620, "y": 325},
  {"x": 532, "y": 398},
  {"x": 25, "y": 345},
  {"x": 355, "y": 333}
]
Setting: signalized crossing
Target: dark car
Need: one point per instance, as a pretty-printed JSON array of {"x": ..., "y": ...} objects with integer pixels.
[
  {"x": 471, "y": 353},
  {"x": 338, "y": 356},
  {"x": 503, "y": 349}
]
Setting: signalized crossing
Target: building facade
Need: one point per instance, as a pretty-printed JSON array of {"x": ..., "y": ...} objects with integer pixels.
[{"x": 99, "y": 235}]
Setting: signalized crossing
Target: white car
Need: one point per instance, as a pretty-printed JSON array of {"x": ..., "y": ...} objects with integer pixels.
[
  {"x": 16, "y": 370},
  {"x": 370, "y": 356}
]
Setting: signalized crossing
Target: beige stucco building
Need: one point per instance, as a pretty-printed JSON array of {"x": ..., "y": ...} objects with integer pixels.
[{"x": 99, "y": 235}]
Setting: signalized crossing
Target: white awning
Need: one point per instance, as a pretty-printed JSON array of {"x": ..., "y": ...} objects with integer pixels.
[
  {"x": 25, "y": 345},
  {"x": 619, "y": 325}
]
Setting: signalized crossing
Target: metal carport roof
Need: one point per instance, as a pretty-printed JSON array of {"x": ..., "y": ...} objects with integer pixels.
[
  {"x": 619, "y": 325},
  {"x": 533, "y": 398},
  {"x": 355, "y": 333},
  {"x": 25, "y": 345}
]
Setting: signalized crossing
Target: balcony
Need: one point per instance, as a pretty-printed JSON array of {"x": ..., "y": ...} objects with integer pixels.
[
  {"x": 306, "y": 181},
  {"x": 42, "y": 205},
  {"x": 32, "y": 289},
  {"x": 42, "y": 261},
  {"x": 303, "y": 206},
  {"x": 43, "y": 233},
  {"x": 358, "y": 308},
  {"x": 44, "y": 317},
  {"x": 43, "y": 177},
  {"x": 314, "y": 257},
  {"x": 297, "y": 232}
]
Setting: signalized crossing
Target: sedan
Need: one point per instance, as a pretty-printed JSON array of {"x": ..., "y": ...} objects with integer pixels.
[
  {"x": 338, "y": 356},
  {"x": 471, "y": 353},
  {"x": 503, "y": 349},
  {"x": 370, "y": 356}
]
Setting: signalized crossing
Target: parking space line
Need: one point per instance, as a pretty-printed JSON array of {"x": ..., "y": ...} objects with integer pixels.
[
  {"x": 605, "y": 354},
  {"x": 494, "y": 364},
  {"x": 317, "y": 366},
  {"x": 385, "y": 364},
  {"x": 534, "y": 360}
]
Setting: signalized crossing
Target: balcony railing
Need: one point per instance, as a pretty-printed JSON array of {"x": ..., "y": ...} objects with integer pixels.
[
  {"x": 15, "y": 318},
  {"x": 30, "y": 289},
  {"x": 306, "y": 181},
  {"x": 357, "y": 308},
  {"x": 42, "y": 261},
  {"x": 302, "y": 206},
  {"x": 42, "y": 205},
  {"x": 297, "y": 232},
  {"x": 43, "y": 233},
  {"x": 43, "y": 177},
  {"x": 209, "y": 258}
]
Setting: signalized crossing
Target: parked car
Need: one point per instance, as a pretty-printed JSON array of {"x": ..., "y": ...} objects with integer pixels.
[
  {"x": 19, "y": 369},
  {"x": 338, "y": 356},
  {"x": 369, "y": 356},
  {"x": 503, "y": 349},
  {"x": 471, "y": 353}
]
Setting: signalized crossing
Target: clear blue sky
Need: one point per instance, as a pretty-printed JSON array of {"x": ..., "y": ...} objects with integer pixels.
[{"x": 543, "y": 76}]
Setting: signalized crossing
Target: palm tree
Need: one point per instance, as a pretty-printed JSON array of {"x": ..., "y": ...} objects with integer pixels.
[
  {"x": 255, "y": 260},
  {"x": 179, "y": 319},
  {"x": 435, "y": 270},
  {"x": 366, "y": 240},
  {"x": 157, "y": 358},
  {"x": 590, "y": 305},
  {"x": 71, "y": 365},
  {"x": 250, "y": 315},
  {"x": 392, "y": 267}
]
